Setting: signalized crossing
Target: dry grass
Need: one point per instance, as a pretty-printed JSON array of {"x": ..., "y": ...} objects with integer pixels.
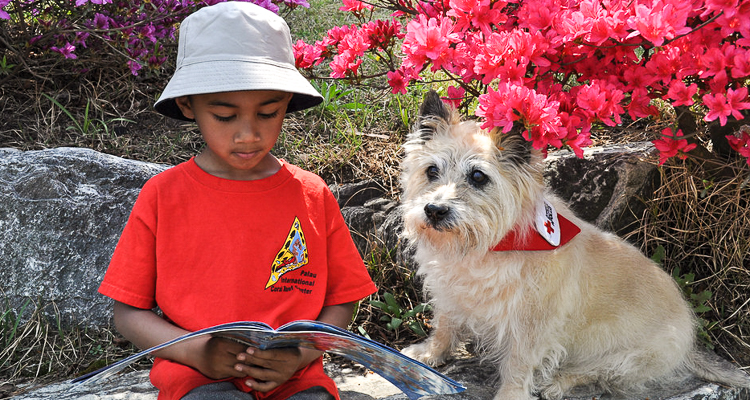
[
  {"x": 702, "y": 219},
  {"x": 37, "y": 350}
]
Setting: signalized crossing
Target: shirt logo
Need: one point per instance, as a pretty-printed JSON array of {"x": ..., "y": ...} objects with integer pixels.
[{"x": 291, "y": 256}]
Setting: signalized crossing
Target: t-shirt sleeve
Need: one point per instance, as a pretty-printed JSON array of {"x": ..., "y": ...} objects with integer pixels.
[
  {"x": 131, "y": 275},
  {"x": 348, "y": 278}
]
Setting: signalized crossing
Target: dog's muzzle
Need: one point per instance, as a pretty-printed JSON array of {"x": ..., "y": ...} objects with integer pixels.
[{"x": 436, "y": 214}]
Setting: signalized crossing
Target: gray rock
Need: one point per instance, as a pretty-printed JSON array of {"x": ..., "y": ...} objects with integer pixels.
[
  {"x": 356, "y": 194},
  {"x": 61, "y": 214},
  {"x": 608, "y": 186}
]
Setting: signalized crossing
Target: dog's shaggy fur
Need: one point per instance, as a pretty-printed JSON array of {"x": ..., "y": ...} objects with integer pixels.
[{"x": 593, "y": 311}]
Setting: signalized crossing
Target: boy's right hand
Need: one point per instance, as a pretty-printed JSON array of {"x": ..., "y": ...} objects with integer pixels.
[{"x": 219, "y": 358}]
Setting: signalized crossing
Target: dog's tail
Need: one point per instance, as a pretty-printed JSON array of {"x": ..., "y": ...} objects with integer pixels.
[{"x": 713, "y": 368}]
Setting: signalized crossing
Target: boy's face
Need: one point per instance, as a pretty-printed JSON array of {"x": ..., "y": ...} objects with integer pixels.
[{"x": 239, "y": 128}]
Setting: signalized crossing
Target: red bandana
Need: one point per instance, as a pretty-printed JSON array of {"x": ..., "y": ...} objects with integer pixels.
[{"x": 537, "y": 242}]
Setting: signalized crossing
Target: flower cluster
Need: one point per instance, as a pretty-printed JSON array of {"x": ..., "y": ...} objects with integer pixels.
[
  {"x": 135, "y": 29},
  {"x": 556, "y": 67},
  {"x": 672, "y": 144},
  {"x": 346, "y": 45}
]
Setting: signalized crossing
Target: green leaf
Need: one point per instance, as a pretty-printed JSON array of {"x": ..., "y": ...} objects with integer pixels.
[
  {"x": 393, "y": 306},
  {"x": 701, "y": 309},
  {"x": 416, "y": 327},
  {"x": 379, "y": 304},
  {"x": 702, "y": 297},
  {"x": 363, "y": 332},
  {"x": 659, "y": 254},
  {"x": 422, "y": 308}
]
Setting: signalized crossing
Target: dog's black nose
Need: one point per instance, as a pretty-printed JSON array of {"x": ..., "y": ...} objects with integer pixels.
[{"x": 436, "y": 213}]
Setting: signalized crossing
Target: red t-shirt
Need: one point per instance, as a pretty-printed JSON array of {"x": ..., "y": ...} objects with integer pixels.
[{"x": 208, "y": 250}]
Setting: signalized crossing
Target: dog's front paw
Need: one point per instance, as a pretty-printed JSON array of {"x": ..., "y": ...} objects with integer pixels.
[
  {"x": 507, "y": 392},
  {"x": 424, "y": 353},
  {"x": 554, "y": 391}
]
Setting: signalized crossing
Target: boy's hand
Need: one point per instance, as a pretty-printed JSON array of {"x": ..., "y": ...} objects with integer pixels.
[
  {"x": 269, "y": 369},
  {"x": 219, "y": 359}
]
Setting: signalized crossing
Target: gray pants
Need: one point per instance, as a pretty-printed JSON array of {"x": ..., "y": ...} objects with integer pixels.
[{"x": 227, "y": 391}]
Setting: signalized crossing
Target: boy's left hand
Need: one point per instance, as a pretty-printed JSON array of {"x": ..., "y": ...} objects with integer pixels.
[{"x": 269, "y": 369}]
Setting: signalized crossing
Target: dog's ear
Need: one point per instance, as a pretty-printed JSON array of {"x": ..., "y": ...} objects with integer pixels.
[
  {"x": 431, "y": 113},
  {"x": 433, "y": 107},
  {"x": 512, "y": 145}
]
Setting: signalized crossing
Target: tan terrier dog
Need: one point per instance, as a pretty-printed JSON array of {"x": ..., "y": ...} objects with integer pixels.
[{"x": 553, "y": 300}]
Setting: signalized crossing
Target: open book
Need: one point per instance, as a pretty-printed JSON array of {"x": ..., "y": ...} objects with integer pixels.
[{"x": 410, "y": 376}]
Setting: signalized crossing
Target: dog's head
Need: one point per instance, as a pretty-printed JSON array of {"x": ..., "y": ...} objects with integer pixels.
[{"x": 464, "y": 188}]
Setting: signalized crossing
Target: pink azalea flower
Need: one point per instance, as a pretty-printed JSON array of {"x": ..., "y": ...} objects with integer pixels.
[
  {"x": 660, "y": 21},
  {"x": 537, "y": 15},
  {"x": 101, "y": 21},
  {"x": 536, "y": 111},
  {"x": 738, "y": 100},
  {"x": 480, "y": 14},
  {"x": 345, "y": 65},
  {"x": 637, "y": 76},
  {"x": 397, "y": 81},
  {"x": 455, "y": 96},
  {"x": 573, "y": 25},
  {"x": 381, "y": 33},
  {"x": 4, "y": 14},
  {"x": 722, "y": 106},
  {"x": 713, "y": 62},
  {"x": 354, "y": 42},
  {"x": 600, "y": 31},
  {"x": 591, "y": 99},
  {"x": 728, "y": 7},
  {"x": 648, "y": 23},
  {"x": 717, "y": 108},
  {"x": 578, "y": 134},
  {"x": 740, "y": 142},
  {"x": 664, "y": 64},
  {"x": 267, "y": 4},
  {"x": 741, "y": 63},
  {"x": 463, "y": 62},
  {"x": 66, "y": 51},
  {"x": 669, "y": 147},
  {"x": 640, "y": 104},
  {"x": 601, "y": 102},
  {"x": 428, "y": 38},
  {"x": 355, "y": 6},
  {"x": 337, "y": 33},
  {"x": 306, "y": 55},
  {"x": 682, "y": 94},
  {"x": 134, "y": 67}
]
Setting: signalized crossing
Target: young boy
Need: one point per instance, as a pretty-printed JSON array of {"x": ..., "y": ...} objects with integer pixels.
[{"x": 234, "y": 233}]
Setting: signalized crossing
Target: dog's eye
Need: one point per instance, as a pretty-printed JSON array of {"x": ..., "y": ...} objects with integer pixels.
[
  {"x": 432, "y": 172},
  {"x": 478, "y": 178}
]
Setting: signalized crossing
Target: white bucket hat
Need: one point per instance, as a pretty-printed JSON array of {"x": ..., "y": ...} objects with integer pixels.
[{"x": 235, "y": 46}]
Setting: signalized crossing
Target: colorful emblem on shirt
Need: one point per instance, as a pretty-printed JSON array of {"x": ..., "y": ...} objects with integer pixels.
[{"x": 293, "y": 254}]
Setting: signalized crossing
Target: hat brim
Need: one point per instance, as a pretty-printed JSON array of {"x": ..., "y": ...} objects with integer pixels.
[{"x": 236, "y": 75}]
